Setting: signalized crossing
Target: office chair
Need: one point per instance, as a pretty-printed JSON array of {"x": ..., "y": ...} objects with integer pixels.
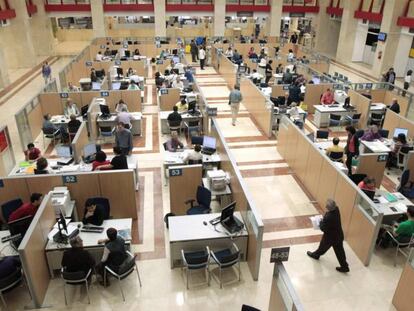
[
  {"x": 175, "y": 126},
  {"x": 227, "y": 258},
  {"x": 335, "y": 120},
  {"x": 196, "y": 260},
  {"x": 359, "y": 133},
  {"x": 406, "y": 187},
  {"x": 249, "y": 308},
  {"x": 106, "y": 131},
  {"x": 404, "y": 246},
  {"x": 192, "y": 127},
  {"x": 354, "y": 119},
  {"x": 165, "y": 146},
  {"x": 402, "y": 156},
  {"x": 51, "y": 134},
  {"x": 322, "y": 134},
  {"x": 376, "y": 118},
  {"x": 40, "y": 172},
  {"x": 11, "y": 281},
  {"x": 104, "y": 202},
  {"x": 357, "y": 178},
  {"x": 9, "y": 207},
  {"x": 193, "y": 162},
  {"x": 75, "y": 278},
  {"x": 203, "y": 200},
  {"x": 124, "y": 270},
  {"x": 336, "y": 156},
  {"x": 384, "y": 133}
]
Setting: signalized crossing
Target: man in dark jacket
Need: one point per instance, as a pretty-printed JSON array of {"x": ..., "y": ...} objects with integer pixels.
[
  {"x": 333, "y": 236},
  {"x": 76, "y": 258},
  {"x": 193, "y": 51}
]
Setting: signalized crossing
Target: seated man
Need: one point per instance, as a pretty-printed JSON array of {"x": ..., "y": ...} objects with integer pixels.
[
  {"x": 193, "y": 155},
  {"x": 335, "y": 147},
  {"x": 372, "y": 134},
  {"x": 295, "y": 116},
  {"x": 114, "y": 252},
  {"x": 327, "y": 98},
  {"x": 182, "y": 105},
  {"x": 32, "y": 153},
  {"x": 124, "y": 117},
  {"x": 173, "y": 143},
  {"x": 9, "y": 265},
  {"x": 177, "y": 83},
  {"x": 94, "y": 214},
  {"x": 174, "y": 118},
  {"x": 27, "y": 209},
  {"x": 395, "y": 106},
  {"x": 73, "y": 125},
  {"x": 402, "y": 231},
  {"x": 76, "y": 258},
  {"x": 41, "y": 167},
  {"x": 119, "y": 161}
]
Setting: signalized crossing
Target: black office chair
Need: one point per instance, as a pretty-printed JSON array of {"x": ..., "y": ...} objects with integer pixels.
[
  {"x": 196, "y": 260},
  {"x": 384, "y": 133},
  {"x": 40, "y": 172},
  {"x": 335, "y": 119},
  {"x": 402, "y": 156},
  {"x": 203, "y": 201},
  {"x": 249, "y": 308},
  {"x": 357, "y": 178},
  {"x": 9, "y": 207},
  {"x": 227, "y": 258},
  {"x": 322, "y": 134},
  {"x": 192, "y": 162},
  {"x": 354, "y": 119},
  {"x": 52, "y": 134},
  {"x": 376, "y": 118},
  {"x": 11, "y": 281},
  {"x": 75, "y": 278},
  {"x": 336, "y": 156},
  {"x": 104, "y": 202},
  {"x": 359, "y": 133}
]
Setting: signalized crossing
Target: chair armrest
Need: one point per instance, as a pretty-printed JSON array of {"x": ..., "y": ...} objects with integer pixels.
[
  {"x": 183, "y": 257},
  {"x": 391, "y": 235},
  {"x": 190, "y": 201}
]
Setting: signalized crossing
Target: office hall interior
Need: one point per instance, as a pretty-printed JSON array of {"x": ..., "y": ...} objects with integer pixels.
[{"x": 207, "y": 155}]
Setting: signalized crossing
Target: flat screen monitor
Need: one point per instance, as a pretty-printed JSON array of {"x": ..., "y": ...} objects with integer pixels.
[
  {"x": 192, "y": 105},
  {"x": 100, "y": 73},
  {"x": 400, "y": 131},
  {"x": 116, "y": 85},
  {"x": 209, "y": 142},
  {"x": 89, "y": 149},
  {"x": 176, "y": 59},
  {"x": 174, "y": 51},
  {"x": 114, "y": 52},
  {"x": 96, "y": 86},
  {"x": 104, "y": 109},
  {"x": 197, "y": 140},
  {"x": 316, "y": 80},
  {"x": 19, "y": 226},
  {"x": 63, "y": 151},
  {"x": 228, "y": 212},
  {"x": 382, "y": 36},
  {"x": 119, "y": 71},
  {"x": 84, "y": 110},
  {"x": 370, "y": 194}
]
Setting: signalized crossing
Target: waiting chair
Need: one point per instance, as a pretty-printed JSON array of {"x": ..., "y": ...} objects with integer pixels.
[
  {"x": 196, "y": 260},
  {"x": 203, "y": 200},
  {"x": 227, "y": 258},
  {"x": 52, "y": 134},
  {"x": 124, "y": 270},
  {"x": 335, "y": 120},
  {"x": 336, "y": 156},
  {"x": 106, "y": 132},
  {"x": 9, "y": 207},
  {"x": 406, "y": 187},
  {"x": 104, "y": 202},
  {"x": 376, "y": 118},
  {"x": 354, "y": 119},
  {"x": 192, "y": 162},
  {"x": 75, "y": 278},
  {"x": 384, "y": 133},
  {"x": 175, "y": 126},
  {"x": 402, "y": 156},
  {"x": 9, "y": 282},
  {"x": 322, "y": 134},
  {"x": 403, "y": 246}
]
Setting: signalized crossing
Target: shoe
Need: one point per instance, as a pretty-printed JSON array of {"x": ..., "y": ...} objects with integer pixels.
[
  {"x": 342, "y": 269},
  {"x": 234, "y": 124},
  {"x": 310, "y": 254}
]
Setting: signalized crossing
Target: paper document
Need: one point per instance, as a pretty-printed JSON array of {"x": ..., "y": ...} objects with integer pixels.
[
  {"x": 316, "y": 220},
  {"x": 382, "y": 200},
  {"x": 401, "y": 207}
]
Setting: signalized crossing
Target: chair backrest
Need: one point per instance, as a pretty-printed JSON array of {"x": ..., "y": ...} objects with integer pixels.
[
  {"x": 10, "y": 279},
  {"x": 174, "y": 123},
  {"x": 406, "y": 149},
  {"x": 377, "y": 116},
  {"x": 384, "y": 133},
  {"x": 104, "y": 202},
  {"x": 322, "y": 134},
  {"x": 191, "y": 162},
  {"x": 48, "y": 130},
  {"x": 73, "y": 276},
  {"x": 105, "y": 129},
  {"x": 336, "y": 156},
  {"x": 230, "y": 258},
  {"x": 9, "y": 207},
  {"x": 196, "y": 258},
  {"x": 359, "y": 133},
  {"x": 127, "y": 266},
  {"x": 40, "y": 172},
  {"x": 203, "y": 196},
  {"x": 357, "y": 178},
  {"x": 404, "y": 179},
  {"x": 335, "y": 117},
  {"x": 165, "y": 146},
  {"x": 356, "y": 116}
]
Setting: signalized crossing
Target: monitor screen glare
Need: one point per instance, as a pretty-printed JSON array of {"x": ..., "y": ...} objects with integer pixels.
[
  {"x": 399, "y": 131},
  {"x": 209, "y": 142},
  {"x": 63, "y": 151},
  {"x": 89, "y": 149}
]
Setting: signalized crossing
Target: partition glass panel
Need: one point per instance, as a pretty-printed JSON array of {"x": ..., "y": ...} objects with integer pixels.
[
  {"x": 369, "y": 207},
  {"x": 23, "y": 126},
  {"x": 285, "y": 288}
]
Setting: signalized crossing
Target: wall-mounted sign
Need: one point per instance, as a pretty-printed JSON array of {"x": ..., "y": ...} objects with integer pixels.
[
  {"x": 70, "y": 179},
  {"x": 279, "y": 254},
  {"x": 104, "y": 94},
  {"x": 88, "y": 63},
  {"x": 176, "y": 172},
  {"x": 164, "y": 91},
  {"x": 64, "y": 95},
  {"x": 382, "y": 158}
]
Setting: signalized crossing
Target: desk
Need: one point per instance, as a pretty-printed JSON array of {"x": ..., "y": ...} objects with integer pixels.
[
  {"x": 375, "y": 146},
  {"x": 111, "y": 122},
  {"x": 278, "y": 77},
  {"x": 189, "y": 233},
  {"x": 165, "y": 129},
  {"x": 277, "y": 116},
  {"x": 323, "y": 145},
  {"x": 54, "y": 251},
  {"x": 6, "y": 249},
  {"x": 62, "y": 120},
  {"x": 223, "y": 196},
  {"x": 384, "y": 206}
]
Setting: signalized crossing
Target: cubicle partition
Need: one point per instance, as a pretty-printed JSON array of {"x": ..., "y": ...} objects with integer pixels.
[
  {"x": 373, "y": 165},
  {"x": 279, "y": 90},
  {"x": 79, "y": 141},
  {"x": 403, "y": 299},
  {"x": 322, "y": 178},
  {"x": 7, "y": 160},
  {"x": 362, "y": 105},
  {"x": 32, "y": 251},
  {"x": 168, "y": 98},
  {"x": 227, "y": 70},
  {"x": 394, "y": 120},
  {"x": 314, "y": 93},
  {"x": 116, "y": 185}
]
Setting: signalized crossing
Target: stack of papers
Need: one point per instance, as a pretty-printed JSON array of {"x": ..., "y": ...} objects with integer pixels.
[{"x": 316, "y": 220}]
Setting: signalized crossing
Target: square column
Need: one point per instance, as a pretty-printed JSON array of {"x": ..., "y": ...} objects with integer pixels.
[
  {"x": 219, "y": 17},
  {"x": 98, "y": 18},
  {"x": 4, "y": 74},
  {"x": 41, "y": 27},
  {"x": 275, "y": 18},
  {"x": 160, "y": 18}
]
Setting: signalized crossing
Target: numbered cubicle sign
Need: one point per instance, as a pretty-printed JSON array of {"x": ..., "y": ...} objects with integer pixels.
[
  {"x": 176, "y": 172},
  {"x": 279, "y": 254},
  {"x": 64, "y": 95},
  {"x": 103, "y": 46},
  {"x": 88, "y": 63},
  {"x": 117, "y": 62},
  {"x": 286, "y": 87},
  {"x": 164, "y": 91},
  {"x": 104, "y": 94},
  {"x": 70, "y": 179},
  {"x": 212, "y": 111},
  {"x": 382, "y": 158},
  {"x": 369, "y": 86}
]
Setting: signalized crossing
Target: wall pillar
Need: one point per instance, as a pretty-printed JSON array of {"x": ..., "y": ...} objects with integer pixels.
[
  {"x": 41, "y": 28},
  {"x": 275, "y": 18},
  {"x": 160, "y": 18},
  {"x": 98, "y": 18},
  {"x": 4, "y": 73},
  {"x": 219, "y": 18}
]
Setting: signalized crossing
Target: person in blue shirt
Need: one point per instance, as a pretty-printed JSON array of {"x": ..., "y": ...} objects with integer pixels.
[{"x": 188, "y": 75}]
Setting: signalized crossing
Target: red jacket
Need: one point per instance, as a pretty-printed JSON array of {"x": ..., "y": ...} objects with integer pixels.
[{"x": 27, "y": 209}]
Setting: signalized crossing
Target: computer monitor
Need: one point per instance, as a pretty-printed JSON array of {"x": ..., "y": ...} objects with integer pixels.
[
  {"x": 127, "y": 53},
  {"x": 197, "y": 140},
  {"x": 174, "y": 51},
  {"x": 96, "y": 86},
  {"x": 19, "y": 226},
  {"x": 400, "y": 131},
  {"x": 119, "y": 71},
  {"x": 116, "y": 85},
  {"x": 228, "y": 212},
  {"x": 63, "y": 151},
  {"x": 84, "y": 110},
  {"x": 192, "y": 105},
  {"x": 88, "y": 150},
  {"x": 100, "y": 73},
  {"x": 316, "y": 80},
  {"x": 114, "y": 52},
  {"x": 209, "y": 142},
  {"x": 176, "y": 59},
  {"x": 370, "y": 194},
  {"x": 104, "y": 109}
]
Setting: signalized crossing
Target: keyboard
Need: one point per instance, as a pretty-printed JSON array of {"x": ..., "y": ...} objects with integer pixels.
[
  {"x": 215, "y": 221},
  {"x": 208, "y": 151},
  {"x": 10, "y": 237},
  {"x": 92, "y": 229}
]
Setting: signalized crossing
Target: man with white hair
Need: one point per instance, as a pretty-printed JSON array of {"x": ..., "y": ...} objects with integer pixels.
[{"x": 333, "y": 236}]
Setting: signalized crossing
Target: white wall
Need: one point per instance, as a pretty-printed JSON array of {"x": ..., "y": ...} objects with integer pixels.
[
  {"x": 360, "y": 38},
  {"x": 402, "y": 61}
]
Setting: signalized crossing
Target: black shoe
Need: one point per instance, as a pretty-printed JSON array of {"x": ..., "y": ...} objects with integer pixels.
[
  {"x": 310, "y": 254},
  {"x": 342, "y": 269}
]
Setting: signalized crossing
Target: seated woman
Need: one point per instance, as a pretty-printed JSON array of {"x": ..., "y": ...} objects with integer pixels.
[
  {"x": 368, "y": 184},
  {"x": 120, "y": 106},
  {"x": 174, "y": 143},
  {"x": 401, "y": 141},
  {"x": 372, "y": 134},
  {"x": 94, "y": 214},
  {"x": 100, "y": 159},
  {"x": 41, "y": 167}
]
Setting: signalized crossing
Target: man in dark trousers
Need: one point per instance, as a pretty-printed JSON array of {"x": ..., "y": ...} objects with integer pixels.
[
  {"x": 193, "y": 51},
  {"x": 333, "y": 236}
]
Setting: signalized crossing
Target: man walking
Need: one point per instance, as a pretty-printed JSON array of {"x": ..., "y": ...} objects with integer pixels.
[
  {"x": 202, "y": 57},
  {"x": 46, "y": 72},
  {"x": 193, "y": 51},
  {"x": 235, "y": 98}
]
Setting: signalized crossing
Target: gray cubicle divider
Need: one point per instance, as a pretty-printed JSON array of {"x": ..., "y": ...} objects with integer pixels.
[{"x": 7, "y": 159}]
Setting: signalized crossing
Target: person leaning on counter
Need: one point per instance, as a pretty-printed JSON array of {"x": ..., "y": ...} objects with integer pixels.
[
  {"x": 27, "y": 209},
  {"x": 182, "y": 105},
  {"x": 32, "y": 153},
  {"x": 93, "y": 214},
  {"x": 41, "y": 166},
  {"x": 119, "y": 161}
]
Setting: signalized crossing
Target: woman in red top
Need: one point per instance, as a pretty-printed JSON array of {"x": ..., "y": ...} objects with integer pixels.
[
  {"x": 100, "y": 159},
  {"x": 32, "y": 153},
  {"x": 367, "y": 184},
  {"x": 351, "y": 148}
]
